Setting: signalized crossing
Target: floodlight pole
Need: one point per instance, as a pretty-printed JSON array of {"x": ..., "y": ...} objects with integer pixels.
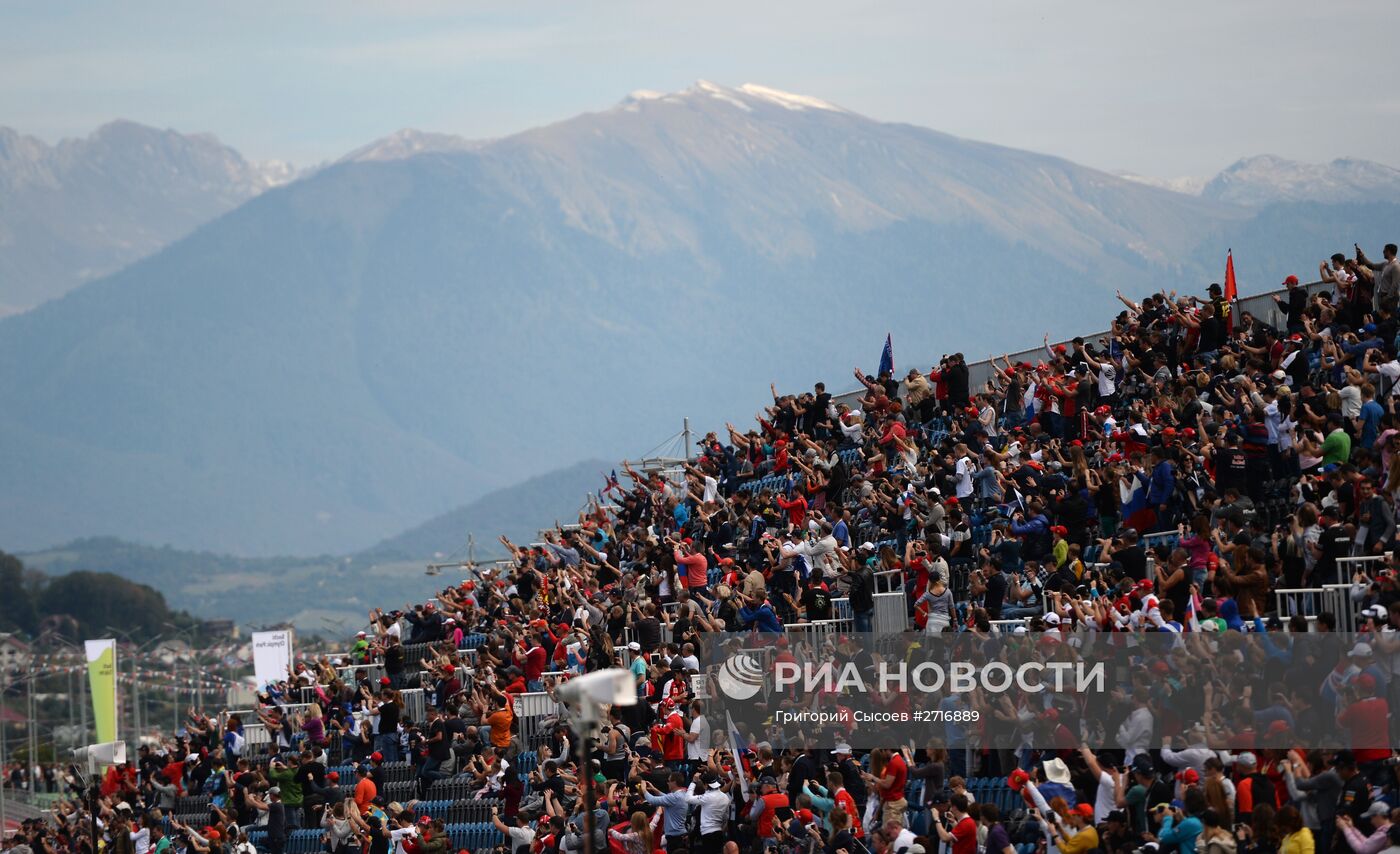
[{"x": 588, "y": 718}]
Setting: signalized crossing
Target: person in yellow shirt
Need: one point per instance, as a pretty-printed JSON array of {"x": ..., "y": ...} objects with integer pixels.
[
  {"x": 1075, "y": 833},
  {"x": 1296, "y": 838}
]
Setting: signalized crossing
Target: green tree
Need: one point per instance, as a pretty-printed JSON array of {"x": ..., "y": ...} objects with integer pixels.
[
  {"x": 17, "y": 611},
  {"x": 100, "y": 599}
]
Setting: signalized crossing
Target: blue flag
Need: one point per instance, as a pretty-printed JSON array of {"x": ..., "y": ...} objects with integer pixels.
[{"x": 886, "y": 358}]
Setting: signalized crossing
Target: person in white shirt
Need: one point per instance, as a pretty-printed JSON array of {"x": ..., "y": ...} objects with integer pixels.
[
  {"x": 141, "y": 837},
  {"x": 707, "y": 793},
  {"x": 1108, "y": 790},
  {"x": 697, "y": 739},
  {"x": 402, "y": 832},
  {"x": 964, "y": 468},
  {"x": 1135, "y": 733}
]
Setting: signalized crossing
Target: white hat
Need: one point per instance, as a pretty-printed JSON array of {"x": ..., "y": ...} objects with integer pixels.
[
  {"x": 841, "y": 747},
  {"x": 1056, "y": 771},
  {"x": 1375, "y": 612},
  {"x": 1052, "y": 619},
  {"x": 1377, "y": 808},
  {"x": 867, "y": 546},
  {"x": 714, "y": 784},
  {"x": 1019, "y": 630},
  {"x": 634, "y": 646},
  {"x": 123, "y": 807},
  {"x": 1246, "y": 759},
  {"x": 360, "y": 634},
  {"x": 1361, "y": 650}
]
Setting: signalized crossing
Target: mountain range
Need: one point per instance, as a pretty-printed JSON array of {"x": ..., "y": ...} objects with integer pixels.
[
  {"x": 431, "y": 318},
  {"x": 1266, "y": 179},
  {"x": 78, "y": 210},
  {"x": 333, "y": 591}
]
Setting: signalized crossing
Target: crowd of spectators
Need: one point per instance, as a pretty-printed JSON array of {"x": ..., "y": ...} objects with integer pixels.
[{"x": 1172, "y": 476}]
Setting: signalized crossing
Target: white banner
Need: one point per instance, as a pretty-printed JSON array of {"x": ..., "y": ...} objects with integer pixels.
[{"x": 272, "y": 656}]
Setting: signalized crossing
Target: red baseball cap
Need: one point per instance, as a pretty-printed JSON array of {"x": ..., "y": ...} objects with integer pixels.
[
  {"x": 1018, "y": 779},
  {"x": 376, "y": 756},
  {"x": 1291, "y": 280},
  {"x": 1086, "y": 810}
]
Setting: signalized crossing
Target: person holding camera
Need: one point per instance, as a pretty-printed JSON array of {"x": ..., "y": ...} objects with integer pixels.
[{"x": 955, "y": 826}]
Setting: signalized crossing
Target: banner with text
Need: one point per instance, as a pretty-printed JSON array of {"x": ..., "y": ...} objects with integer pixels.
[
  {"x": 102, "y": 680},
  {"x": 272, "y": 656}
]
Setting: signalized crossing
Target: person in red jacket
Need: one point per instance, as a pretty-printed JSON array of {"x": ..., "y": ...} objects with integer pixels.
[
  {"x": 668, "y": 735},
  {"x": 1367, "y": 720},
  {"x": 796, "y": 509},
  {"x": 531, "y": 657},
  {"x": 694, "y": 568},
  {"x": 765, "y": 808}
]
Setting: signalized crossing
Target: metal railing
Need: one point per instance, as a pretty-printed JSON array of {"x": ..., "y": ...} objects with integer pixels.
[{"x": 533, "y": 711}]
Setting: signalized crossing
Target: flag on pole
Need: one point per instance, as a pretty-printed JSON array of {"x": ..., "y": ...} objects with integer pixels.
[
  {"x": 1231, "y": 292},
  {"x": 737, "y": 754},
  {"x": 1193, "y": 624},
  {"x": 886, "y": 357}
]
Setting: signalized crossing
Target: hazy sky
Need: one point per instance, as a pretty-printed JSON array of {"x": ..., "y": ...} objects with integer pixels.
[{"x": 1167, "y": 89}]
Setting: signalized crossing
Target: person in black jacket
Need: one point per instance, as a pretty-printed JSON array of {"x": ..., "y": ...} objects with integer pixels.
[
  {"x": 957, "y": 379},
  {"x": 1294, "y": 306},
  {"x": 861, "y": 594}
]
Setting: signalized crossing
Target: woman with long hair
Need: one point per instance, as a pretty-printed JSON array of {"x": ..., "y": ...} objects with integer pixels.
[
  {"x": 938, "y": 600},
  {"x": 637, "y": 839},
  {"x": 314, "y": 725},
  {"x": 1294, "y": 837}
]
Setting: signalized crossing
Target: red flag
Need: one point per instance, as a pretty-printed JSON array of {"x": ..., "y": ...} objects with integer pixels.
[{"x": 1230, "y": 293}]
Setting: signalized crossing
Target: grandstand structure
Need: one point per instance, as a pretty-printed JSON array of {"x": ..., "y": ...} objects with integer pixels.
[{"x": 641, "y": 577}]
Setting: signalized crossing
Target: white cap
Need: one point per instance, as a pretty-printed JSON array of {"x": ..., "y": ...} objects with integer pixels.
[
  {"x": 1361, "y": 650},
  {"x": 1052, "y": 619},
  {"x": 634, "y": 646},
  {"x": 841, "y": 747},
  {"x": 1247, "y": 759},
  {"x": 867, "y": 546}
]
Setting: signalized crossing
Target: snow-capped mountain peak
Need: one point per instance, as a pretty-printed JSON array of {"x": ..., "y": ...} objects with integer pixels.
[{"x": 746, "y": 97}]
